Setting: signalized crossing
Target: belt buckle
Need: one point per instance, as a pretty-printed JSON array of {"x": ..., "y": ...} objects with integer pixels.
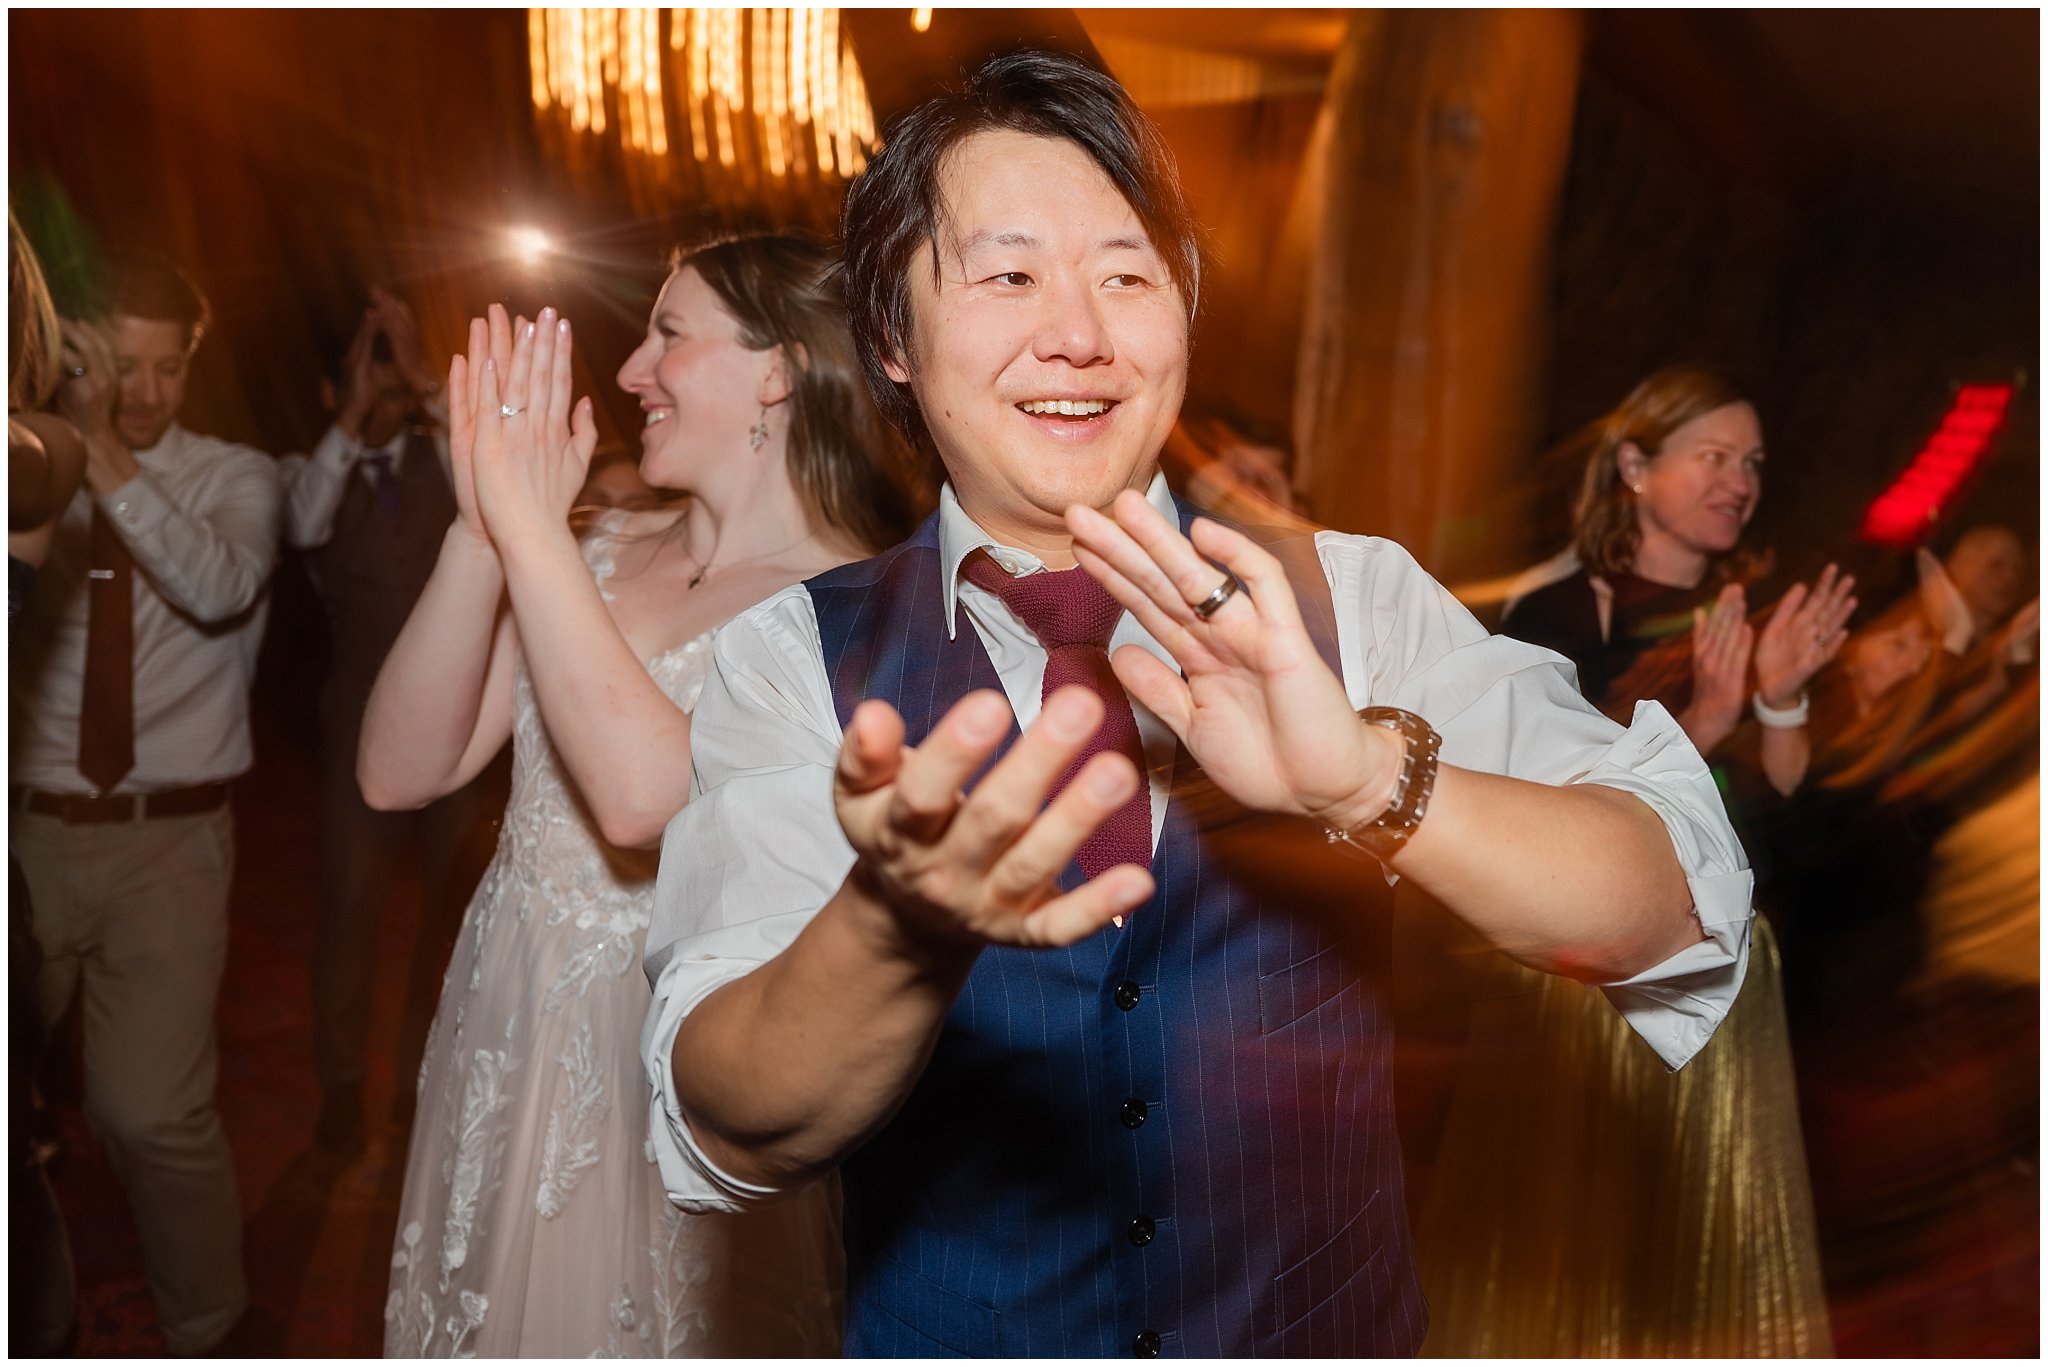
[{"x": 97, "y": 806}]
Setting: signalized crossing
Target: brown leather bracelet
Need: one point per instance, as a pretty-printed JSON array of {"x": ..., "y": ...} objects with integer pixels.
[{"x": 1383, "y": 836}]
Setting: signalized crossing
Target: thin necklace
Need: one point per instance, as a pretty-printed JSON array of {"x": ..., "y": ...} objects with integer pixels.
[{"x": 705, "y": 567}]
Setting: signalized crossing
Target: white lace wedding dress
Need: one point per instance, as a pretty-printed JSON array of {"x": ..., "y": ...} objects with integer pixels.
[{"x": 534, "y": 1221}]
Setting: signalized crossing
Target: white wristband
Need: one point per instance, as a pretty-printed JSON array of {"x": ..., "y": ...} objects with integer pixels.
[{"x": 1779, "y": 718}]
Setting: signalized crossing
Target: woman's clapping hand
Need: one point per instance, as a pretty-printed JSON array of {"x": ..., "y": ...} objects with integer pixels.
[
  {"x": 519, "y": 447},
  {"x": 1805, "y": 631},
  {"x": 1722, "y": 641}
]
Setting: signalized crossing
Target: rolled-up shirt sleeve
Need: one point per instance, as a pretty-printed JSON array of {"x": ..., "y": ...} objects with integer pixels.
[
  {"x": 1506, "y": 707},
  {"x": 748, "y": 861}
]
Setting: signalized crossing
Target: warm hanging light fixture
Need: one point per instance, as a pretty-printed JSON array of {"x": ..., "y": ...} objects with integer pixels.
[{"x": 788, "y": 71}]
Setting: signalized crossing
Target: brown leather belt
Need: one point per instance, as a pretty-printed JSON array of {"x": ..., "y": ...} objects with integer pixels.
[{"x": 78, "y": 809}]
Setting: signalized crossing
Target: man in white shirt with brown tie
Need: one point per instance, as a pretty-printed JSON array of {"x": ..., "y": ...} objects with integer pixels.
[{"x": 130, "y": 685}]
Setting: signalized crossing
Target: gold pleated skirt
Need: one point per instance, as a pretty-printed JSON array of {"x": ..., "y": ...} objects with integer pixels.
[{"x": 1586, "y": 1203}]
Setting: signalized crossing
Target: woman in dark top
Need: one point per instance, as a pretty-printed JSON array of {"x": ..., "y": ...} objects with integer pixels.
[
  {"x": 1584, "y": 1202},
  {"x": 1657, "y": 608}
]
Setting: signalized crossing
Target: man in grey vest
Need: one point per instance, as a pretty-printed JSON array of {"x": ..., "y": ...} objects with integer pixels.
[{"x": 369, "y": 508}]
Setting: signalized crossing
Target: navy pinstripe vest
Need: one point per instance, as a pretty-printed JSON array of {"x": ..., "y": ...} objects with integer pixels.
[{"x": 1174, "y": 1138}]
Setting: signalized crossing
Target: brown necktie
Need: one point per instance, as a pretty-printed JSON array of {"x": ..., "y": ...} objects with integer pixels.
[
  {"x": 106, "y": 716},
  {"x": 1073, "y": 618}
]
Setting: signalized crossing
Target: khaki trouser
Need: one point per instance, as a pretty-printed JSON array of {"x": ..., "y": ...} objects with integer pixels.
[{"x": 134, "y": 914}]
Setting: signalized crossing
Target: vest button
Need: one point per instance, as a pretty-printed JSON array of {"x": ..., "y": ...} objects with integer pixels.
[
  {"x": 1145, "y": 1345},
  {"x": 1127, "y": 995},
  {"x": 1141, "y": 1231},
  {"x": 1132, "y": 1114}
]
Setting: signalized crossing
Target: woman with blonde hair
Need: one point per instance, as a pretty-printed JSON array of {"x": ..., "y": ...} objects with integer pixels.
[
  {"x": 45, "y": 464},
  {"x": 45, "y": 454},
  {"x": 1644, "y": 1213}
]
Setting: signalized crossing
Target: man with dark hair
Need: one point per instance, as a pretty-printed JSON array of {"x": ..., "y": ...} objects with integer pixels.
[
  {"x": 1109, "y": 1073},
  {"x": 370, "y": 506},
  {"x": 130, "y": 714}
]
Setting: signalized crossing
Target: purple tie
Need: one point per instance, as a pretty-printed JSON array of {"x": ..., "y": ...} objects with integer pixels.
[
  {"x": 384, "y": 479},
  {"x": 1073, "y": 616}
]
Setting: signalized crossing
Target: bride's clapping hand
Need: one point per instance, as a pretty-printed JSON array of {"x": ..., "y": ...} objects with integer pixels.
[
  {"x": 529, "y": 446},
  {"x": 463, "y": 379}
]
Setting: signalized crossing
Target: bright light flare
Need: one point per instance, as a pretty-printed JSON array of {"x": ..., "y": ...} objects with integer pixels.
[
  {"x": 531, "y": 245},
  {"x": 921, "y": 18}
]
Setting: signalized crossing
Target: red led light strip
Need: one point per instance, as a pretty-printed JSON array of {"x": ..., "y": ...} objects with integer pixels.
[{"x": 1905, "y": 513}]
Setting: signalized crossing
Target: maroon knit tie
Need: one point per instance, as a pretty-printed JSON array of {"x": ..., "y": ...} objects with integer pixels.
[
  {"x": 106, "y": 714},
  {"x": 1073, "y": 616}
]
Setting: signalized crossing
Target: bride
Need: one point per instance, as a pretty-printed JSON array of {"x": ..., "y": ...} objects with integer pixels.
[{"x": 534, "y": 1222}]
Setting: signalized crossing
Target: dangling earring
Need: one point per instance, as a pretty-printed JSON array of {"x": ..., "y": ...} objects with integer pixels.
[{"x": 757, "y": 435}]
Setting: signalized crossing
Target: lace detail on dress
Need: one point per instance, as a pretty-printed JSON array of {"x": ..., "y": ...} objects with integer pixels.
[
  {"x": 571, "y": 1144},
  {"x": 406, "y": 1335},
  {"x": 479, "y": 1145},
  {"x": 679, "y": 1268},
  {"x": 551, "y": 863},
  {"x": 532, "y": 1083}
]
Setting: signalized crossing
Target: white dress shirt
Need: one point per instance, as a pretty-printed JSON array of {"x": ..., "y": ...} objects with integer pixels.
[
  {"x": 200, "y": 519},
  {"x": 758, "y": 848},
  {"x": 313, "y": 485}
]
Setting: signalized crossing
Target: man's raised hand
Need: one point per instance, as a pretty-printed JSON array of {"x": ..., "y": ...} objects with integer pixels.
[{"x": 1254, "y": 703}]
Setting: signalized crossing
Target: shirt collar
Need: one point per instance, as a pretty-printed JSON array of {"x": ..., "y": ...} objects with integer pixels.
[
  {"x": 168, "y": 442},
  {"x": 394, "y": 448},
  {"x": 960, "y": 536}
]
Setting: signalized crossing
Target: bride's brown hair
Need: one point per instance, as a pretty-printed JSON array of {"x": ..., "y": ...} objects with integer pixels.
[{"x": 784, "y": 290}]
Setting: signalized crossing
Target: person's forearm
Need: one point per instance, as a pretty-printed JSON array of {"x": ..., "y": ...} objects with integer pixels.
[
  {"x": 1581, "y": 880},
  {"x": 213, "y": 564},
  {"x": 626, "y": 744},
  {"x": 1785, "y": 752},
  {"x": 433, "y": 719},
  {"x": 786, "y": 1071},
  {"x": 45, "y": 462},
  {"x": 1706, "y": 727},
  {"x": 314, "y": 486}
]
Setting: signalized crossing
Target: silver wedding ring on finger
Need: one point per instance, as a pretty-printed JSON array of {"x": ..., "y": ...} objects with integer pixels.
[
  {"x": 506, "y": 410},
  {"x": 1224, "y": 592}
]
